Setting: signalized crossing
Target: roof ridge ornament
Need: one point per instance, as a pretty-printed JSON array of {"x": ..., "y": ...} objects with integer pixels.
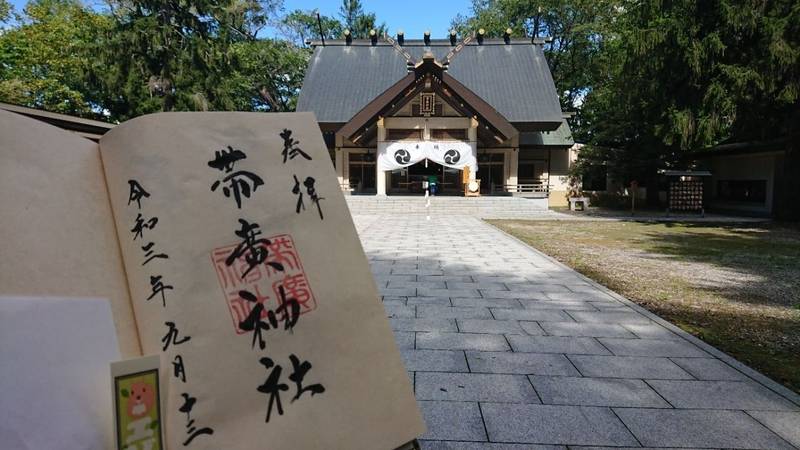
[
  {"x": 457, "y": 49},
  {"x": 410, "y": 61}
]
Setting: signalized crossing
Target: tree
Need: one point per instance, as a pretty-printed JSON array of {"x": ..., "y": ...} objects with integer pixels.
[
  {"x": 269, "y": 75},
  {"x": 5, "y": 10},
  {"x": 198, "y": 55},
  {"x": 357, "y": 21},
  {"x": 169, "y": 55},
  {"x": 44, "y": 61},
  {"x": 681, "y": 76},
  {"x": 301, "y": 26},
  {"x": 766, "y": 83}
]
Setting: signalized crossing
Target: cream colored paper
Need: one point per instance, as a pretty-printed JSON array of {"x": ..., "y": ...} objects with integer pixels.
[
  {"x": 57, "y": 231},
  {"x": 368, "y": 401}
]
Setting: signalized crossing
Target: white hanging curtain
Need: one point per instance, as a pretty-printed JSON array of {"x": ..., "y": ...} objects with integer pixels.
[
  {"x": 396, "y": 155},
  {"x": 453, "y": 154}
]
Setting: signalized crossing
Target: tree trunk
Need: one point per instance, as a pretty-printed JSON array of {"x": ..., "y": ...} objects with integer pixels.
[{"x": 263, "y": 91}]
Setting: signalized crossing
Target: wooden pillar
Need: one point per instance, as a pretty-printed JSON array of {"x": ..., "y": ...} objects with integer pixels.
[
  {"x": 472, "y": 135},
  {"x": 513, "y": 161},
  {"x": 513, "y": 166},
  {"x": 340, "y": 163},
  {"x": 380, "y": 176}
]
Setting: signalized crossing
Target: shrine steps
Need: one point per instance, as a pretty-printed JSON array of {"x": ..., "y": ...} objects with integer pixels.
[{"x": 483, "y": 207}]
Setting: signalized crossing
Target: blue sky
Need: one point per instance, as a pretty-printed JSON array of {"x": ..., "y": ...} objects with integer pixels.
[{"x": 412, "y": 16}]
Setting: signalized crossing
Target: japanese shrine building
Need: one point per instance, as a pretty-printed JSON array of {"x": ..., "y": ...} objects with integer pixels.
[{"x": 396, "y": 112}]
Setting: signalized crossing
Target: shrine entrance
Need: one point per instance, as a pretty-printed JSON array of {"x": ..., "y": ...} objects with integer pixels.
[{"x": 412, "y": 180}]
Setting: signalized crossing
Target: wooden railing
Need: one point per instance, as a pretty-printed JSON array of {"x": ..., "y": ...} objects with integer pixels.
[{"x": 531, "y": 188}]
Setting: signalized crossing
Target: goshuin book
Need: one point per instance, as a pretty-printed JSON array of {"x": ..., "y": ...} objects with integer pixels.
[{"x": 224, "y": 245}]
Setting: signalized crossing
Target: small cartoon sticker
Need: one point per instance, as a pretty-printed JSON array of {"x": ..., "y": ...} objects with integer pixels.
[{"x": 137, "y": 408}]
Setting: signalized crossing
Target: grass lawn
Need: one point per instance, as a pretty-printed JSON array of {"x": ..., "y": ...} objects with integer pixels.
[{"x": 735, "y": 286}]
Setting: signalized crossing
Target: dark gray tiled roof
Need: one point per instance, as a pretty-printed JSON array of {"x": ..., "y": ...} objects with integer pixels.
[
  {"x": 559, "y": 137},
  {"x": 513, "y": 78},
  {"x": 341, "y": 80}
]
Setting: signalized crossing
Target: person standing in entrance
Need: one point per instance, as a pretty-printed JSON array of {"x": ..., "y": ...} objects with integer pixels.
[{"x": 433, "y": 184}]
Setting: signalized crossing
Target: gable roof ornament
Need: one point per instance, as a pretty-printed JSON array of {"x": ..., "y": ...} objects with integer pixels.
[
  {"x": 428, "y": 65},
  {"x": 419, "y": 78}
]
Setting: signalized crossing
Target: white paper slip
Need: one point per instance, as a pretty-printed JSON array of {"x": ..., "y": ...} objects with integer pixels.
[{"x": 54, "y": 379}]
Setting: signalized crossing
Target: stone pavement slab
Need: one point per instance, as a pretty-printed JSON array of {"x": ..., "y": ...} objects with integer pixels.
[
  {"x": 399, "y": 311},
  {"x": 705, "y": 429},
  {"x": 439, "y": 301},
  {"x": 423, "y": 324},
  {"x": 532, "y": 328},
  {"x": 620, "y": 317},
  {"x": 582, "y": 329},
  {"x": 453, "y": 312},
  {"x": 596, "y": 392},
  {"x": 720, "y": 395},
  {"x": 652, "y": 347},
  {"x": 541, "y": 315},
  {"x": 651, "y": 331},
  {"x": 462, "y": 341},
  {"x": 434, "y": 360},
  {"x": 547, "y": 424},
  {"x": 785, "y": 424},
  {"x": 404, "y": 339},
  {"x": 558, "y": 304},
  {"x": 489, "y": 326},
  {"x": 452, "y": 421},
  {"x": 474, "y": 387},
  {"x": 510, "y": 350},
  {"x": 520, "y": 363},
  {"x": 557, "y": 344},
  {"x": 629, "y": 367},
  {"x": 487, "y": 302},
  {"x": 709, "y": 369}
]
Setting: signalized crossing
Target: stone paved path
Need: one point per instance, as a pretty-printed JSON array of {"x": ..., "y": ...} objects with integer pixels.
[{"x": 509, "y": 350}]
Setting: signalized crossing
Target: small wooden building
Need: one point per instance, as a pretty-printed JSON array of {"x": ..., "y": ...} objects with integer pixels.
[{"x": 747, "y": 177}]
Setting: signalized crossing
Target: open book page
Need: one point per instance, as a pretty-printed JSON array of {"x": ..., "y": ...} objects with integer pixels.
[
  {"x": 55, "y": 220},
  {"x": 246, "y": 271}
]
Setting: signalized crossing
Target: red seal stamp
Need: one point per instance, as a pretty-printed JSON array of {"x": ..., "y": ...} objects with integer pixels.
[{"x": 263, "y": 280}]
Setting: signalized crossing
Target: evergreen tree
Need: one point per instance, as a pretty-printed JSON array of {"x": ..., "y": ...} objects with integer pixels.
[
  {"x": 5, "y": 10},
  {"x": 357, "y": 21},
  {"x": 300, "y": 26},
  {"x": 680, "y": 76},
  {"x": 198, "y": 55}
]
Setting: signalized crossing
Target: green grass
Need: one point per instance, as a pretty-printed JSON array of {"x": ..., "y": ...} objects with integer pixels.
[{"x": 735, "y": 286}]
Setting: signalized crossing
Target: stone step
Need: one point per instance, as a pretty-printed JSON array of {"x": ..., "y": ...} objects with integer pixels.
[{"x": 486, "y": 207}]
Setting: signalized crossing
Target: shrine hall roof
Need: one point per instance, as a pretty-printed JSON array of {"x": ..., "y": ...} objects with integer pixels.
[{"x": 512, "y": 77}]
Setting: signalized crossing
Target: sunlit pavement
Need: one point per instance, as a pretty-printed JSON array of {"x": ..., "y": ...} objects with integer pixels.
[{"x": 510, "y": 350}]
